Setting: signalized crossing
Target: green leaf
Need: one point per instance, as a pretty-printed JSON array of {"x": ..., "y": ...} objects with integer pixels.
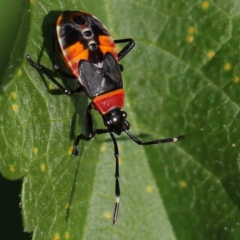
[{"x": 181, "y": 78}]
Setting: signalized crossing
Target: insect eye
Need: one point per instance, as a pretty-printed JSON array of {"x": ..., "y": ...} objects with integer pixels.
[
  {"x": 124, "y": 114},
  {"x": 80, "y": 20},
  {"x": 108, "y": 123}
]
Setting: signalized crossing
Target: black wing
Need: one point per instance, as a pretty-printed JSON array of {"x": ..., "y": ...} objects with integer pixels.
[{"x": 96, "y": 80}]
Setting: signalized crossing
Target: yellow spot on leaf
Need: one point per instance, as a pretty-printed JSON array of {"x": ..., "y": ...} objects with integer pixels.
[
  {"x": 149, "y": 189},
  {"x": 107, "y": 215},
  {"x": 182, "y": 184},
  {"x": 205, "y": 5},
  {"x": 190, "y": 38},
  {"x": 19, "y": 72},
  {"x": 236, "y": 79},
  {"x": 14, "y": 95},
  {"x": 15, "y": 107},
  {"x": 56, "y": 236},
  {"x": 50, "y": 87},
  {"x": 227, "y": 66},
  {"x": 67, "y": 235},
  {"x": 31, "y": 1},
  {"x": 191, "y": 30},
  {"x": 67, "y": 206},
  {"x": 120, "y": 161},
  {"x": 35, "y": 150},
  {"x": 210, "y": 54},
  {"x": 12, "y": 168},
  {"x": 234, "y": 145},
  {"x": 103, "y": 147},
  {"x": 43, "y": 167},
  {"x": 70, "y": 151}
]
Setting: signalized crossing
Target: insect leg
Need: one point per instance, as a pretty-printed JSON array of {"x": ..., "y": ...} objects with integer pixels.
[
  {"x": 46, "y": 73},
  {"x": 165, "y": 140},
  {"x": 90, "y": 133},
  {"x": 127, "y": 48},
  {"x": 117, "y": 187}
]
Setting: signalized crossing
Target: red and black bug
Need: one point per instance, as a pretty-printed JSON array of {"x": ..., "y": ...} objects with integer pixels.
[{"x": 90, "y": 54}]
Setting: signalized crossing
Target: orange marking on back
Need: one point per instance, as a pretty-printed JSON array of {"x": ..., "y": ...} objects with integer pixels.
[
  {"x": 84, "y": 55},
  {"x": 106, "y": 41},
  {"x": 106, "y": 44},
  {"x": 73, "y": 54},
  {"x": 74, "y": 50},
  {"x": 111, "y": 50}
]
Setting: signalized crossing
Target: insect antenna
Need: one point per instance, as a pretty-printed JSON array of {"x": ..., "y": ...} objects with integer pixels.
[{"x": 164, "y": 140}]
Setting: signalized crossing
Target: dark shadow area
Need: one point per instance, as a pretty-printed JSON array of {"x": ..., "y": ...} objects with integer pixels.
[
  {"x": 11, "y": 220},
  {"x": 51, "y": 47},
  {"x": 73, "y": 187},
  {"x": 73, "y": 133},
  {"x": 79, "y": 100}
]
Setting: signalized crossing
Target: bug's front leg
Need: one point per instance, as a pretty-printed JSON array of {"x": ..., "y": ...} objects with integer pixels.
[{"x": 89, "y": 129}]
